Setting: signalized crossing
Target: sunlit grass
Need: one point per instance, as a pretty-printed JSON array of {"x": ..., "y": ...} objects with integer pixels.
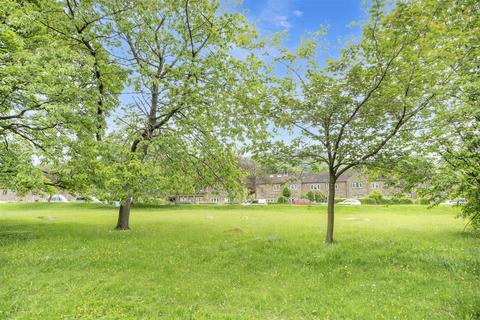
[{"x": 65, "y": 261}]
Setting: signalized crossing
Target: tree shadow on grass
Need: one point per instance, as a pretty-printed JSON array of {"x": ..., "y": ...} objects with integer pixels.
[
  {"x": 15, "y": 233},
  {"x": 469, "y": 234}
]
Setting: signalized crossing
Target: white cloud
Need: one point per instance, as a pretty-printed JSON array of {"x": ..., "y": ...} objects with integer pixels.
[
  {"x": 282, "y": 21},
  {"x": 276, "y": 14},
  {"x": 297, "y": 13}
]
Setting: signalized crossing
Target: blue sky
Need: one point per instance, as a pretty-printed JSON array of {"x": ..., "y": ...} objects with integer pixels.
[{"x": 298, "y": 17}]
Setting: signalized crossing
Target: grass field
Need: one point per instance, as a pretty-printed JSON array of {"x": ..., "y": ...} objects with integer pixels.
[{"x": 64, "y": 261}]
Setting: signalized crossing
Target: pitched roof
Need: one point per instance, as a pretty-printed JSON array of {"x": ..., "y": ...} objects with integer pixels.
[
  {"x": 276, "y": 178},
  {"x": 321, "y": 177}
]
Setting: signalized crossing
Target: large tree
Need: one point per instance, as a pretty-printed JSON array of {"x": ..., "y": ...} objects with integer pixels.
[
  {"x": 446, "y": 164},
  {"x": 57, "y": 86},
  {"x": 370, "y": 100},
  {"x": 191, "y": 99},
  {"x": 38, "y": 92},
  {"x": 457, "y": 127}
]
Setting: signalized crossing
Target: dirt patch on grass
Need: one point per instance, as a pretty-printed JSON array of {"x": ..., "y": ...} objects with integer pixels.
[
  {"x": 356, "y": 219},
  {"x": 46, "y": 217},
  {"x": 234, "y": 231}
]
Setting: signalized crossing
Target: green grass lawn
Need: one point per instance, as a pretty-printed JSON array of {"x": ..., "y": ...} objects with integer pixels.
[{"x": 64, "y": 261}]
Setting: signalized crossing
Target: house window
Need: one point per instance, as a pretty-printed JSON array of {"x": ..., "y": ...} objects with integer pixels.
[
  {"x": 315, "y": 187},
  {"x": 292, "y": 187},
  {"x": 5, "y": 192},
  {"x": 276, "y": 187},
  {"x": 357, "y": 185},
  {"x": 214, "y": 200},
  {"x": 375, "y": 185}
]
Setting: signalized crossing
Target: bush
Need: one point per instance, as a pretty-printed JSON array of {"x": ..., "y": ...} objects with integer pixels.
[
  {"x": 316, "y": 196},
  {"x": 377, "y": 197},
  {"x": 282, "y": 199},
  {"x": 337, "y": 200},
  {"x": 368, "y": 200},
  {"x": 471, "y": 210},
  {"x": 423, "y": 201},
  {"x": 401, "y": 199},
  {"x": 286, "y": 192}
]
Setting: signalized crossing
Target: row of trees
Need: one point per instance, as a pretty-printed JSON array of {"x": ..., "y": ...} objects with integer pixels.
[{"x": 142, "y": 99}]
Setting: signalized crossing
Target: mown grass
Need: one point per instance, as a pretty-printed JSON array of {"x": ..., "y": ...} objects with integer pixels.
[{"x": 64, "y": 261}]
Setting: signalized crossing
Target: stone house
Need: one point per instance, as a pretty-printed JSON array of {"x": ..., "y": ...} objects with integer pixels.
[
  {"x": 349, "y": 185},
  {"x": 207, "y": 195}
]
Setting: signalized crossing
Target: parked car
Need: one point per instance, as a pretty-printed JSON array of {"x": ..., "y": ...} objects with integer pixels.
[
  {"x": 259, "y": 201},
  {"x": 454, "y": 202},
  {"x": 57, "y": 198},
  {"x": 351, "y": 202},
  {"x": 87, "y": 199}
]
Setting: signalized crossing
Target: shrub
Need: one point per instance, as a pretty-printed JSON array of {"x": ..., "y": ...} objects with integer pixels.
[
  {"x": 423, "y": 201},
  {"x": 316, "y": 196},
  {"x": 377, "y": 197},
  {"x": 286, "y": 192},
  {"x": 368, "y": 200},
  {"x": 282, "y": 199},
  {"x": 401, "y": 199},
  {"x": 471, "y": 210}
]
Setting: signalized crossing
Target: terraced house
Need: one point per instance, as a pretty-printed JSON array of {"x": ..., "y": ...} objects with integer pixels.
[
  {"x": 349, "y": 185},
  {"x": 205, "y": 196}
]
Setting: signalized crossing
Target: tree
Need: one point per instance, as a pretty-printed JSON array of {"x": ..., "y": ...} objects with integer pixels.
[
  {"x": 458, "y": 173},
  {"x": 27, "y": 98},
  {"x": 369, "y": 102},
  {"x": 445, "y": 162},
  {"x": 457, "y": 125},
  {"x": 45, "y": 87},
  {"x": 192, "y": 101}
]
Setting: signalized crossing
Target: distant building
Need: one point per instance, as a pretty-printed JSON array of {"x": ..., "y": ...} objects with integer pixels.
[
  {"x": 349, "y": 185},
  {"x": 205, "y": 196},
  {"x": 269, "y": 187}
]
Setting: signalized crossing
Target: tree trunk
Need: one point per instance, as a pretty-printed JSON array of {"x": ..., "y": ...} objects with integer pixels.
[
  {"x": 331, "y": 208},
  {"x": 124, "y": 215}
]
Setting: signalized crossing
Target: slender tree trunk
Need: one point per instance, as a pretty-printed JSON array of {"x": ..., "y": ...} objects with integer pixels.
[
  {"x": 124, "y": 215},
  {"x": 331, "y": 207}
]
